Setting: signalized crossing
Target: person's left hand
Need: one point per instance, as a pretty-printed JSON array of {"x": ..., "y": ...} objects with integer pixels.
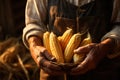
[{"x": 94, "y": 54}]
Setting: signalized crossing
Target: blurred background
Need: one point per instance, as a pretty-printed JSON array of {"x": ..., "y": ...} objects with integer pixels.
[
  {"x": 12, "y": 14},
  {"x": 15, "y": 60}
]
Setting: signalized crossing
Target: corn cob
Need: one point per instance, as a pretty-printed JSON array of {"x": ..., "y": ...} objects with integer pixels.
[
  {"x": 72, "y": 44},
  {"x": 59, "y": 39},
  {"x": 55, "y": 48},
  {"x": 79, "y": 57},
  {"x": 46, "y": 41},
  {"x": 87, "y": 40},
  {"x": 64, "y": 39}
]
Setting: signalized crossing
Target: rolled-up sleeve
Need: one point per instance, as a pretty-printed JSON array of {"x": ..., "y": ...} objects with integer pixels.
[
  {"x": 35, "y": 17},
  {"x": 114, "y": 34}
]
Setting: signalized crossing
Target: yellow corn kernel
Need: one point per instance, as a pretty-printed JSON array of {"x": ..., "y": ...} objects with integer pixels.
[
  {"x": 46, "y": 41},
  {"x": 79, "y": 57},
  {"x": 55, "y": 48},
  {"x": 66, "y": 37},
  {"x": 72, "y": 44},
  {"x": 87, "y": 40}
]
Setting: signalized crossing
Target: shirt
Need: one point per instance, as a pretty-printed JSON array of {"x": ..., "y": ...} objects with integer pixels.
[{"x": 36, "y": 13}]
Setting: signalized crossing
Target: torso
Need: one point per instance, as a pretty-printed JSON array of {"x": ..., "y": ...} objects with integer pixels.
[{"x": 63, "y": 14}]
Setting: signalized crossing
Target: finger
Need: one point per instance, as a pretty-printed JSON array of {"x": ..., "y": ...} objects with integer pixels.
[
  {"x": 52, "y": 72},
  {"x": 48, "y": 64},
  {"x": 52, "y": 66},
  {"x": 48, "y": 56},
  {"x": 82, "y": 68},
  {"x": 88, "y": 64},
  {"x": 83, "y": 49},
  {"x": 79, "y": 69}
]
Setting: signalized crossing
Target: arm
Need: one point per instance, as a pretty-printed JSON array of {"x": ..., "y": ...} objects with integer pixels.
[
  {"x": 115, "y": 32},
  {"x": 115, "y": 35},
  {"x": 35, "y": 16},
  {"x": 95, "y": 52},
  {"x": 32, "y": 33}
]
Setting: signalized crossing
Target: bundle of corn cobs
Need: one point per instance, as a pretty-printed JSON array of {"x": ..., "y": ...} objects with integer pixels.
[{"x": 62, "y": 47}]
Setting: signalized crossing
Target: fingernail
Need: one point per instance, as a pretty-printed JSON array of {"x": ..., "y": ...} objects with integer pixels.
[{"x": 53, "y": 59}]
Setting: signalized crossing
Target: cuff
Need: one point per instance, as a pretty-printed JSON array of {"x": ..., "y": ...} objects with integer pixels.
[
  {"x": 115, "y": 35},
  {"x": 31, "y": 30}
]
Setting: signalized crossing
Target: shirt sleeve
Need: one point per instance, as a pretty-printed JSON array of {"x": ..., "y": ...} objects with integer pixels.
[
  {"x": 35, "y": 17},
  {"x": 115, "y": 32}
]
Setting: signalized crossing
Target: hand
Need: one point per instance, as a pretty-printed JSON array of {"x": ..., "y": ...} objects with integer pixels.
[
  {"x": 48, "y": 64},
  {"x": 94, "y": 54},
  {"x": 43, "y": 59}
]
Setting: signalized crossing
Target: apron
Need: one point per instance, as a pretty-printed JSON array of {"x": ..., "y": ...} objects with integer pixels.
[{"x": 93, "y": 17}]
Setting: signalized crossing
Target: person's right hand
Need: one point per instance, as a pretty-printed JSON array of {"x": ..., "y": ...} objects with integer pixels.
[{"x": 43, "y": 59}]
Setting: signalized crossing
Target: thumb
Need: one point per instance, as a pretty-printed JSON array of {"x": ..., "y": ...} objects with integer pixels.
[
  {"x": 83, "y": 49},
  {"x": 48, "y": 56}
]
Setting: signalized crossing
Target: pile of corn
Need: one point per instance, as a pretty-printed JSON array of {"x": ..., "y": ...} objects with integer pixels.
[
  {"x": 62, "y": 47},
  {"x": 16, "y": 62}
]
